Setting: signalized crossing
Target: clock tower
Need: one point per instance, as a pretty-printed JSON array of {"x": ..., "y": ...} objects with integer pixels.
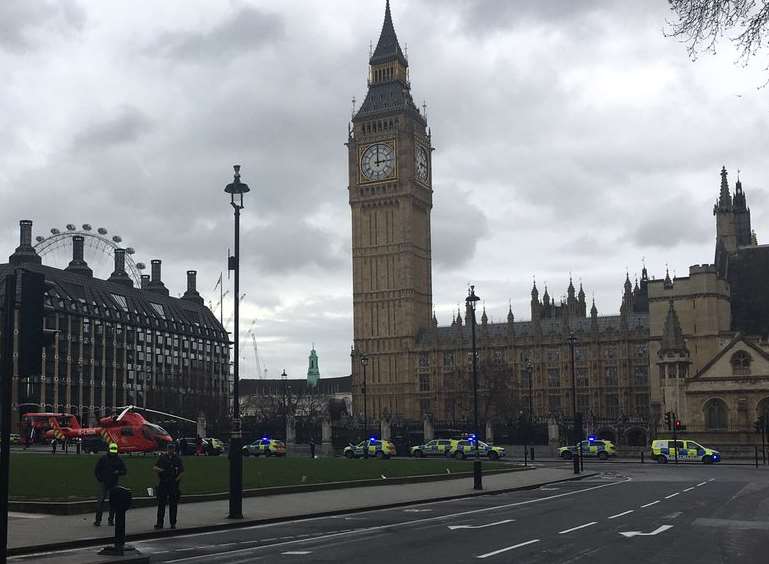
[{"x": 390, "y": 195}]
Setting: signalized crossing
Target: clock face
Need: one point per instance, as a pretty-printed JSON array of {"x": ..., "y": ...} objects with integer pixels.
[
  {"x": 421, "y": 160},
  {"x": 378, "y": 161}
]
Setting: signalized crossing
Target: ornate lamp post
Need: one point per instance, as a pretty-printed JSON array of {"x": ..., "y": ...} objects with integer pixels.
[
  {"x": 576, "y": 424},
  {"x": 364, "y": 363},
  {"x": 284, "y": 378},
  {"x": 529, "y": 371},
  {"x": 470, "y": 302},
  {"x": 236, "y": 189}
]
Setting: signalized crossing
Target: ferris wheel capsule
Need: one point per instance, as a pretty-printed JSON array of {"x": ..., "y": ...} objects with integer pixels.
[
  {"x": 87, "y": 227},
  {"x": 39, "y": 238},
  {"x": 117, "y": 238},
  {"x": 101, "y": 231},
  {"x": 71, "y": 227},
  {"x": 55, "y": 231},
  {"x": 141, "y": 266},
  {"x": 130, "y": 251}
]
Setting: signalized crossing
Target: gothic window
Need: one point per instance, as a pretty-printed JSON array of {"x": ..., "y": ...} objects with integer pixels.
[
  {"x": 641, "y": 376},
  {"x": 582, "y": 377},
  {"x": 448, "y": 359},
  {"x": 641, "y": 405},
  {"x": 716, "y": 415},
  {"x": 741, "y": 363},
  {"x": 583, "y": 403},
  {"x": 424, "y": 360},
  {"x": 611, "y": 375},
  {"x": 553, "y": 355},
  {"x": 579, "y": 353},
  {"x": 610, "y": 352},
  {"x": 554, "y": 377},
  {"x": 642, "y": 350},
  {"x": 424, "y": 383},
  {"x": 424, "y": 405},
  {"x": 554, "y": 404},
  {"x": 612, "y": 406}
]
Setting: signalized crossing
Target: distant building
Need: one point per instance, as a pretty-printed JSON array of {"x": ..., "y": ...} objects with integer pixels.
[
  {"x": 313, "y": 372},
  {"x": 117, "y": 345},
  {"x": 305, "y": 397}
]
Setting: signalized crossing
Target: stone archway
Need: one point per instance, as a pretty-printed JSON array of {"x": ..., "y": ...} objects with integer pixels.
[
  {"x": 635, "y": 436},
  {"x": 607, "y": 433}
]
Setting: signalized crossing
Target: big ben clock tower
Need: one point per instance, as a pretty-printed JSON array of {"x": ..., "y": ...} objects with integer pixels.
[{"x": 390, "y": 198}]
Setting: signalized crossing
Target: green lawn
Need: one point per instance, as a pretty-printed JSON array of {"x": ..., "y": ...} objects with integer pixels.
[{"x": 71, "y": 477}]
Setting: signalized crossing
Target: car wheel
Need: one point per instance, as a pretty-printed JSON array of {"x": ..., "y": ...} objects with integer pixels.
[
  {"x": 246, "y": 453},
  {"x": 348, "y": 454},
  {"x": 662, "y": 459},
  {"x": 379, "y": 454},
  {"x": 493, "y": 456},
  {"x": 566, "y": 455},
  {"x": 603, "y": 455},
  {"x": 459, "y": 455},
  {"x": 707, "y": 459},
  {"x": 419, "y": 454},
  {"x": 267, "y": 453}
]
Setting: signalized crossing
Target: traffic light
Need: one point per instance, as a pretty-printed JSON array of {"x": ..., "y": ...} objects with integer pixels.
[
  {"x": 668, "y": 423},
  {"x": 678, "y": 424},
  {"x": 31, "y": 335}
]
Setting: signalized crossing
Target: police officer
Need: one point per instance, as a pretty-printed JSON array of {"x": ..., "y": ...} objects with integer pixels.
[
  {"x": 108, "y": 470},
  {"x": 169, "y": 468}
]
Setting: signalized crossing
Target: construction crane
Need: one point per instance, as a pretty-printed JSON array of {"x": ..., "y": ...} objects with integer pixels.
[
  {"x": 256, "y": 350},
  {"x": 229, "y": 319}
]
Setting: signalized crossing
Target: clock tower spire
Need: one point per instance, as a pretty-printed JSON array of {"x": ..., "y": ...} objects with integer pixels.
[{"x": 390, "y": 196}]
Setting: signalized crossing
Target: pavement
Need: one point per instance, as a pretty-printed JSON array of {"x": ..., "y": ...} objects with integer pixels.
[
  {"x": 28, "y": 531},
  {"x": 629, "y": 514}
]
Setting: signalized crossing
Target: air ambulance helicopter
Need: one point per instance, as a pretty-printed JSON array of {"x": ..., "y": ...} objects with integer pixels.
[{"x": 129, "y": 430}]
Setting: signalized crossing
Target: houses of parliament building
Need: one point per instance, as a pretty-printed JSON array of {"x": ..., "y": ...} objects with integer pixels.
[{"x": 695, "y": 345}]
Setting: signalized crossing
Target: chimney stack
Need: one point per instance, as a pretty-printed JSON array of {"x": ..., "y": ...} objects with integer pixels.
[
  {"x": 119, "y": 276},
  {"x": 156, "y": 284},
  {"x": 25, "y": 253},
  {"x": 192, "y": 293},
  {"x": 78, "y": 264},
  {"x": 145, "y": 279}
]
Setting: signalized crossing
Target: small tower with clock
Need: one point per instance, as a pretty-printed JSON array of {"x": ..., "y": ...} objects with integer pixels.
[{"x": 390, "y": 199}]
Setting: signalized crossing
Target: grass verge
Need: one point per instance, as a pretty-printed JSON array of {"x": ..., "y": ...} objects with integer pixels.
[{"x": 63, "y": 478}]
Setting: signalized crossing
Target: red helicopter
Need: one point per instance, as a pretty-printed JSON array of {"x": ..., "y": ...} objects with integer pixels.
[{"x": 129, "y": 430}]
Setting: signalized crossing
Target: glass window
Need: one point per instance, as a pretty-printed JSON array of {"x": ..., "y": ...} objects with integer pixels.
[
  {"x": 611, "y": 375},
  {"x": 553, "y": 377}
]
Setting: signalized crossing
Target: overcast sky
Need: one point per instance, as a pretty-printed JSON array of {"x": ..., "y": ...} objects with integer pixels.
[{"x": 570, "y": 136}]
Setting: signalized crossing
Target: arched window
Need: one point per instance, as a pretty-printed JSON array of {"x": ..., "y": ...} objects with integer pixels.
[
  {"x": 716, "y": 415},
  {"x": 741, "y": 363},
  {"x": 763, "y": 408}
]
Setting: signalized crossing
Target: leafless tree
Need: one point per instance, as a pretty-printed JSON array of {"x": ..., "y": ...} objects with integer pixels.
[{"x": 701, "y": 24}]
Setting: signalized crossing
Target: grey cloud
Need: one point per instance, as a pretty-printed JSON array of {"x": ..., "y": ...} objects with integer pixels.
[
  {"x": 23, "y": 21},
  {"x": 672, "y": 224},
  {"x": 246, "y": 30},
  {"x": 458, "y": 224},
  {"x": 126, "y": 126}
]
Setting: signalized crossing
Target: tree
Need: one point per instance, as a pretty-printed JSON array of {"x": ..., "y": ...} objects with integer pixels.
[{"x": 700, "y": 24}]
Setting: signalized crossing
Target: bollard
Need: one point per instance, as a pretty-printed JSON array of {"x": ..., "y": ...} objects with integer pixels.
[
  {"x": 642, "y": 457},
  {"x": 477, "y": 481},
  {"x": 120, "y": 501},
  {"x": 575, "y": 458},
  {"x": 756, "y": 456},
  {"x": 532, "y": 454},
  {"x": 525, "y": 457}
]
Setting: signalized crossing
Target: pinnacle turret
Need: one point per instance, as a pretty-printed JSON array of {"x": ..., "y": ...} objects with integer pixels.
[
  {"x": 724, "y": 203},
  {"x": 672, "y": 335},
  {"x": 388, "y": 49}
]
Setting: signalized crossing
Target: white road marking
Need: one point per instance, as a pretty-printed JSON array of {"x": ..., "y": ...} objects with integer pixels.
[
  {"x": 501, "y": 550},
  {"x": 711, "y": 479},
  {"x": 17, "y": 515},
  {"x": 672, "y": 495},
  {"x": 650, "y": 504},
  {"x": 297, "y": 552},
  {"x": 701, "y": 484},
  {"x": 453, "y": 527},
  {"x": 416, "y": 510},
  {"x": 621, "y": 514},
  {"x": 674, "y": 515},
  {"x": 577, "y": 528},
  {"x": 658, "y": 530},
  {"x": 390, "y": 525},
  {"x": 688, "y": 489}
]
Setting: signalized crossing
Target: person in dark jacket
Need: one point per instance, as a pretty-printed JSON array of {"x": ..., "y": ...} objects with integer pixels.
[
  {"x": 108, "y": 470},
  {"x": 169, "y": 468}
]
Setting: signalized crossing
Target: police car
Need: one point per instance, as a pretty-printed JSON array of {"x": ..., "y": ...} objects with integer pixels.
[
  {"x": 683, "y": 451},
  {"x": 591, "y": 448},
  {"x": 463, "y": 448},
  {"x": 376, "y": 449},
  {"x": 436, "y": 447},
  {"x": 265, "y": 446}
]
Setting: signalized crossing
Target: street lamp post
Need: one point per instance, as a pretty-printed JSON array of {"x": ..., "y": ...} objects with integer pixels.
[
  {"x": 236, "y": 189},
  {"x": 284, "y": 378},
  {"x": 576, "y": 433},
  {"x": 364, "y": 363},
  {"x": 529, "y": 370},
  {"x": 470, "y": 301}
]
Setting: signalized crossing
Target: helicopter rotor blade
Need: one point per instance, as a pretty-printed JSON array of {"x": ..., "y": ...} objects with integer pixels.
[
  {"x": 125, "y": 409},
  {"x": 165, "y": 413}
]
